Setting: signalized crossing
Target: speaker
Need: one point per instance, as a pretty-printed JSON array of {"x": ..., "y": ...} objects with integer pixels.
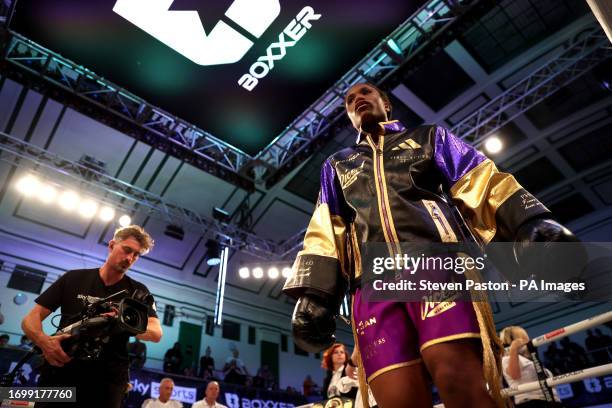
[
  {"x": 210, "y": 325},
  {"x": 169, "y": 313}
]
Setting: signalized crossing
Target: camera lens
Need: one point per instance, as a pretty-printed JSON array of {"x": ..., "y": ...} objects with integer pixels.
[{"x": 131, "y": 317}]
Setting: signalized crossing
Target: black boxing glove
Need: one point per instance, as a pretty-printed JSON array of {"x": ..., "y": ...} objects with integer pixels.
[
  {"x": 546, "y": 249},
  {"x": 314, "y": 322}
]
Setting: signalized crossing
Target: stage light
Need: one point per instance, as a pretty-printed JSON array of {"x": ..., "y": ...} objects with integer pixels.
[
  {"x": 286, "y": 272},
  {"x": 244, "y": 272},
  {"x": 125, "y": 220},
  {"x": 88, "y": 208},
  {"x": 394, "y": 47},
  {"x": 258, "y": 273},
  {"x": 107, "y": 214},
  {"x": 493, "y": 145},
  {"x": 221, "y": 215},
  {"x": 47, "y": 194},
  {"x": 28, "y": 185},
  {"x": 213, "y": 254},
  {"x": 273, "y": 273},
  {"x": 68, "y": 200}
]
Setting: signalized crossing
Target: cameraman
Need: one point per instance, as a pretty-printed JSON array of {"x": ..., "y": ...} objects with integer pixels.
[{"x": 101, "y": 382}]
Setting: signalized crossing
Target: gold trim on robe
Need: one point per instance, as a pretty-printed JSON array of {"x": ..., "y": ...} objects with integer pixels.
[{"x": 479, "y": 193}]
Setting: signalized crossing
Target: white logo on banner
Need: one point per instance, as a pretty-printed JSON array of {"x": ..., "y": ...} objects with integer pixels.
[
  {"x": 183, "y": 394},
  {"x": 565, "y": 391},
  {"x": 234, "y": 401},
  {"x": 183, "y": 30}
]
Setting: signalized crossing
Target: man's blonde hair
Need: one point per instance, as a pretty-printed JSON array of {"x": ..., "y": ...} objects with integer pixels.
[{"x": 138, "y": 233}]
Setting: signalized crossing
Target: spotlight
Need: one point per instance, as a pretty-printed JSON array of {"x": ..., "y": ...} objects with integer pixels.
[
  {"x": 88, "y": 208},
  {"x": 258, "y": 273},
  {"x": 493, "y": 145},
  {"x": 68, "y": 200},
  {"x": 107, "y": 214},
  {"x": 244, "y": 272},
  {"x": 125, "y": 220},
  {"x": 286, "y": 272},
  {"x": 28, "y": 185},
  {"x": 221, "y": 215},
  {"x": 213, "y": 255},
  {"x": 273, "y": 273},
  {"x": 175, "y": 231},
  {"x": 47, "y": 194}
]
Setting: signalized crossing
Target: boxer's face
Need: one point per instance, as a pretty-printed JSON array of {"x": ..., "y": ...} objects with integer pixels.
[
  {"x": 365, "y": 106},
  {"x": 123, "y": 254}
]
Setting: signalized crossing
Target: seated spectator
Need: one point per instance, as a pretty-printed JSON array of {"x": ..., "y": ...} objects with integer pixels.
[
  {"x": 173, "y": 359},
  {"x": 137, "y": 352},
  {"x": 552, "y": 358},
  {"x": 308, "y": 386},
  {"x": 573, "y": 355},
  {"x": 264, "y": 377},
  {"x": 207, "y": 365},
  {"x": 164, "y": 400},
  {"x": 210, "y": 397},
  {"x": 25, "y": 343},
  {"x": 189, "y": 360},
  {"x": 4, "y": 339}
]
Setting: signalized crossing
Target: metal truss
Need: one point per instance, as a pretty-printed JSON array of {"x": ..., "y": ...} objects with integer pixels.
[
  {"x": 160, "y": 128},
  {"x": 584, "y": 51},
  {"x": 180, "y": 138},
  {"x": 127, "y": 197},
  {"x": 392, "y": 53}
]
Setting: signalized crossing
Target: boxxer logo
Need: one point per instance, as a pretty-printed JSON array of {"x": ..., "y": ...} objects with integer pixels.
[
  {"x": 183, "y": 31},
  {"x": 277, "y": 50}
]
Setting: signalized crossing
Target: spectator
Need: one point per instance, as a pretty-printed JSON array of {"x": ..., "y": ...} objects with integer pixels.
[
  {"x": 308, "y": 386},
  {"x": 599, "y": 346},
  {"x": 552, "y": 356},
  {"x": 334, "y": 361},
  {"x": 164, "y": 400},
  {"x": 137, "y": 352},
  {"x": 188, "y": 367},
  {"x": 264, "y": 377},
  {"x": 207, "y": 365},
  {"x": 173, "y": 359},
  {"x": 210, "y": 397},
  {"x": 235, "y": 371},
  {"x": 573, "y": 355},
  {"x": 604, "y": 340},
  {"x": 25, "y": 343},
  {"x": 4, "y": 339}
]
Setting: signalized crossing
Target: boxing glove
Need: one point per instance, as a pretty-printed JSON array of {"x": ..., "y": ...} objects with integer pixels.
[
  {"x": 314, "y": 322},
  {"x": 543, "y": 248}
]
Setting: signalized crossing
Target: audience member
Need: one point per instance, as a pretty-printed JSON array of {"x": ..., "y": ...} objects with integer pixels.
[
  {"x": 4, "y": 339},
  {"x": 173, "y": 359},
  {"x": 137, "y": 352},
  {"x": 207, "y": 364},
  {"x": 210, "y": 397},
  {"x": 234, "y": 370},
  {"x": 164, "y": 400}
]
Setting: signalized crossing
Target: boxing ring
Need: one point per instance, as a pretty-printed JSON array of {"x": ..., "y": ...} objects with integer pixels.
[
  {"x": 568, "y": 377},
  {"x": 544, "y": 383}
]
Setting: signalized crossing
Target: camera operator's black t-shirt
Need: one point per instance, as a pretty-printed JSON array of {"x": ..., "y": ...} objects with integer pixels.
[{"x": 75, "y": 289}]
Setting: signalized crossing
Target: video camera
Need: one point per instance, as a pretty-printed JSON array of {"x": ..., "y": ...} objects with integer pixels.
[{"x": 92, "y": 331}]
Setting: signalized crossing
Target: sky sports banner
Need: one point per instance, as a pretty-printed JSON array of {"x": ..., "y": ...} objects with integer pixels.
[
  {"x": 444, "y": 273},
  {"x": 145, "y": 384}
]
